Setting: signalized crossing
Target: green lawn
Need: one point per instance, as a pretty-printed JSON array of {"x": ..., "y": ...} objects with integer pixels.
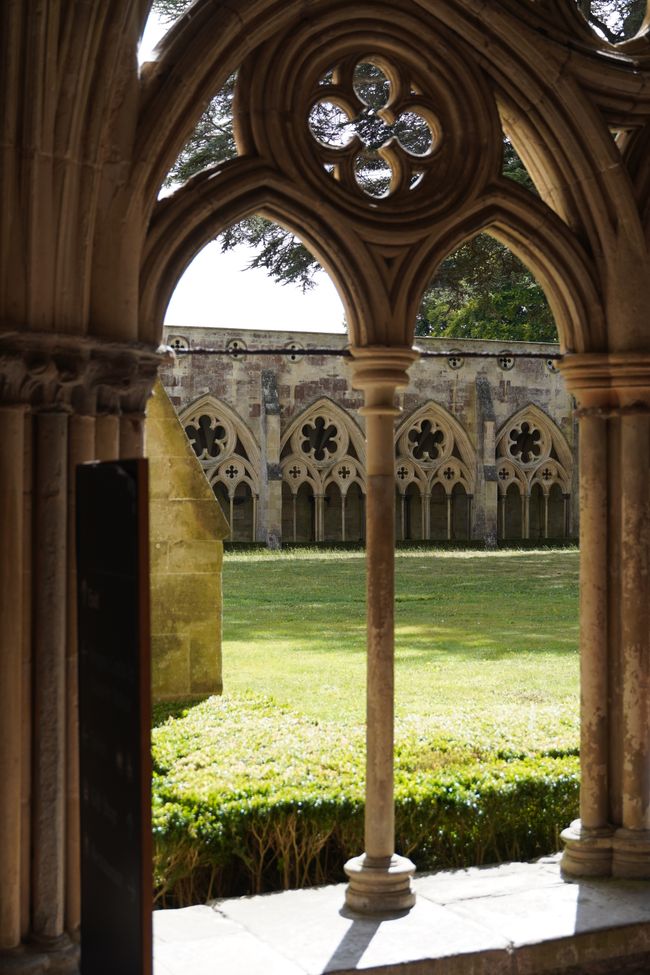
[{"x": 486, "y": 643}]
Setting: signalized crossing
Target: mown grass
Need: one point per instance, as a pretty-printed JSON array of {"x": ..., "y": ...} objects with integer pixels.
[
  {"x": 254, "y": 792},
  {"x": 486, "y": 643}
]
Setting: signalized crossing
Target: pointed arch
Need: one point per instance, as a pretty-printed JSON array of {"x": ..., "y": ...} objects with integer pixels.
[
  {"x": 532, "y": 447},
  {"x": 223, "y": 443},
  {"x": 429, "y": 442},
  {"x": 333, "y": 449}
]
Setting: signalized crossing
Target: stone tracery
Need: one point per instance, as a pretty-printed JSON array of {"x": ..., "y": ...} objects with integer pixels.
[
  {"x": 231, "y": 461},
  {"x": 534, "y": 457}
]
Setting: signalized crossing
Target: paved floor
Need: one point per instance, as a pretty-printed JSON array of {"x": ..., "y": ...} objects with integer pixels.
[{"x": 515, "y": 919}]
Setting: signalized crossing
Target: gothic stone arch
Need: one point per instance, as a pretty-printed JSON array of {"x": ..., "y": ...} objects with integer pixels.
[
  {"x": 533, "y": 454},
  {"x": 230, "y": 458},
  {"x": 91, "y": 257}
]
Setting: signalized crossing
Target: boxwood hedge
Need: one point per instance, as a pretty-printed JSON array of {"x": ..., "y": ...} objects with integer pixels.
[{"x": 249, "y": 796}]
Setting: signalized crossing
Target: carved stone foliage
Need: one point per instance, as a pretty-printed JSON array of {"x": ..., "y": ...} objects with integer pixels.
[
  {"x": 432, "y": 448},
  {"x": 323, "y": 446},
  {"x": 532, "y": 450},
  {"x": 84, "y": 375},
  {"x": 222, "y": 443}
]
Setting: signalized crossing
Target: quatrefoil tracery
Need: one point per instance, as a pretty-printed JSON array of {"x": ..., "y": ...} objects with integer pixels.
[{"x": 373, "y": 129}]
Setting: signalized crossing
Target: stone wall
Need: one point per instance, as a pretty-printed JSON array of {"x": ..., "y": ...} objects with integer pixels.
[
  {"x": 460, "y": 470},
  {"x": 186, "y": 549}
]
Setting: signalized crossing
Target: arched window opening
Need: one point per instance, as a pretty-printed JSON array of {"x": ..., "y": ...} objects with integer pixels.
[
  {"x": 439, "y": 514},
  {"x": 512, "y": 520},
  {"x": 434, "y": 455},
  {"x": 355, "y": 514},
  {"x": 483, "y": 291},
  {"x": 538, "y": 513},
  {"x": 333, "y": 530},
  {"x": 558, "y": 513},
  {"x": 461, "y": 514},
  {"x": 533, "y": 453},
  {"x": 305, "y": 514},
  {"x": 413, "y": 514},
  {"x": 324, "y": 446},
  {"x": 230, "y": 458}
]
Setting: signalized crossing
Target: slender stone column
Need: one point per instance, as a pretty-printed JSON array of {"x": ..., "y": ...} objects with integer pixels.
[
  {"x": 49, "y": 605},
  {"x": 588, "y": 839},
  {"x": 343, "y": 517},
  {"x": 81, "y": 448},
  {"x": 470, "y": 500},
  {"x": 632, "y": 840},
  {"x": 380, "y": 881},
  {"x": 502, "y": 512},
  {"x": 613, "y": 833},
  {"x": 107, "y": 437},
  {"x": 449, "y": 517},
  {"x": 294, "y": 507},
  {"x": 12, "y": 425}
]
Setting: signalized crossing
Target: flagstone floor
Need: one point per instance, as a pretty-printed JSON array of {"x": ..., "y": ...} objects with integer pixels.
[{"x": 514, "y": 919}]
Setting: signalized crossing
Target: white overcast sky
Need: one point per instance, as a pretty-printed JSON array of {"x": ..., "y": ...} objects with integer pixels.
[{"x": 216, "y": 289}]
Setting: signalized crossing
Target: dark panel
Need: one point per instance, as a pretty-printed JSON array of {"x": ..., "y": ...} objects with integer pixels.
[{"x": 115, "y": 718}]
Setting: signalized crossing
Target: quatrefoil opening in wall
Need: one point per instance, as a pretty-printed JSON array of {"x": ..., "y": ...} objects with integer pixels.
[{"x": 374, "y": 130}]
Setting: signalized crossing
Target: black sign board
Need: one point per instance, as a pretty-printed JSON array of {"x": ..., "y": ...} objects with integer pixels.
[{"x": 114, "y": 718}]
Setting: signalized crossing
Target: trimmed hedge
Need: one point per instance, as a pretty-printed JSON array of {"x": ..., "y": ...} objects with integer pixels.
[{"x": 249, "y": 797}]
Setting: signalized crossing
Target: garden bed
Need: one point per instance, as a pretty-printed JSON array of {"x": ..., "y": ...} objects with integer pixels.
[{"x": 251, "y": 796}]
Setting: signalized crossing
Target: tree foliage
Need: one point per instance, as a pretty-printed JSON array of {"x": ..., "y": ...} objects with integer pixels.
[{"x": 480, "y": 291}]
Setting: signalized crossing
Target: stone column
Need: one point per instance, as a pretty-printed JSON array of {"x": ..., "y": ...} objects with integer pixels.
[
  {"x": 49, "y": 611},
  {"x": 107, "y": 436},
  {"x": 380, "y": 881},
  {"x": 12, "y": 425},
  {"x": 631, "y": 851},
  {"x": 449, "y": 516},
  {"x": 613, "y": 833},
  {"x": 81, "y": 448},
  {"x": 587, "y": 841}
]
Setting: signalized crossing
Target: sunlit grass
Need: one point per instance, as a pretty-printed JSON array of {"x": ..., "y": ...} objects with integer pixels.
[{"x": 486, "y": 642}]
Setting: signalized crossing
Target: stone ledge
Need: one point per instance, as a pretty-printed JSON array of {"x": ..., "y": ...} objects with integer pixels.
[{"x": 514, "y": 919}]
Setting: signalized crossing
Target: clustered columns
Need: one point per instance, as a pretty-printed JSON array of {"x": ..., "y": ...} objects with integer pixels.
[
  {"x": 612, "y": 836},
  {"x": 63, "y": 401},
  {"x": 380, "y": 881}
]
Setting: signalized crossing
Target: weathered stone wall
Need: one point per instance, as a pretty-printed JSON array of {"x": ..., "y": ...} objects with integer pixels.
[
  {"x": 186, "y": 550},
  {"x": 481, "y": 387}
]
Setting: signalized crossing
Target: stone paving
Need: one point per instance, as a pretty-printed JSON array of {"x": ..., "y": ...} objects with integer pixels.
[{"x": 514, "y": 919}]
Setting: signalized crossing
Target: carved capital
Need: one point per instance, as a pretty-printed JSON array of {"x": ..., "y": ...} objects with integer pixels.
[
  {"x": 45, "y": 371},
  {"x": 379, "y": 371},
  {"x": 608, "y": 383}
]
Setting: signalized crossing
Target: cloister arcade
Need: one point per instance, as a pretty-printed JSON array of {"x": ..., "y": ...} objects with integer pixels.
[
  {"x": 90, "y": 256},
  {"x": 322, "y": 465}
]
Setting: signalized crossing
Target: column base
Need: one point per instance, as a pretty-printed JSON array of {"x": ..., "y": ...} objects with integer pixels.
[
  {"x": 379, "y": 886},
  {"x": 62, "y": 954},
  {"x": 631, "y": 854},
  {"x": 23, "y": 961},
  {"x": 587, "y": 852}
]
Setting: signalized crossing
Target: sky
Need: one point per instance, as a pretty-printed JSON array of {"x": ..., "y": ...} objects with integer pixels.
[{"x": 216, "y": 290}]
